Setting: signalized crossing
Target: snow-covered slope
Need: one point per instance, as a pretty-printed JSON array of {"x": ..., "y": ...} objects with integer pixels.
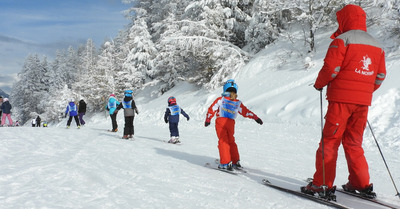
[{"x": 56, "y": 167}]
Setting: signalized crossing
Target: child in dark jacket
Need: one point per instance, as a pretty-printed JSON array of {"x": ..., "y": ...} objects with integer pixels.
[
  {"x": 130, "y": 109},
  {"x": 6, "y": 108},
  {"x": 172, "y": 116}
]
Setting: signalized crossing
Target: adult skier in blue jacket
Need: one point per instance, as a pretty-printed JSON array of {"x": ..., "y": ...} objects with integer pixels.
[
  {"x": 172, "y": 116},
  {"x": 72, "y": 111},
  {"x": 112, "y": 109}
]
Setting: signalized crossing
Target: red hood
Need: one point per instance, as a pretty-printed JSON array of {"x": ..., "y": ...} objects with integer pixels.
[{"x": 350, "y": 17}]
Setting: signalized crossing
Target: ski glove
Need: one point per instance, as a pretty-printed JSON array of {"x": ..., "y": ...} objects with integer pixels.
[
  {"x": 318, "y": 89},
  {"x": 207, "y": 123},
  {"x": 258, "y": 120}
]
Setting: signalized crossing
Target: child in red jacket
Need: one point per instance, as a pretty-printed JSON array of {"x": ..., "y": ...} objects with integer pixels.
[{"x": 227, "y": 107}]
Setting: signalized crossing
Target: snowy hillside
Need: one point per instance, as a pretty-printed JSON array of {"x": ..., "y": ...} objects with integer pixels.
[
  {"x": 3, "y": 94},
  {"x": 56, "y": 167}
]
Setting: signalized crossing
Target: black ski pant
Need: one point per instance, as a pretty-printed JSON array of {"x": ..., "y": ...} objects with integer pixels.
[
  {"x": 129, "y": 129},
  {"x": 114, "y": 121},
  {"x": 76, "y": 120}
]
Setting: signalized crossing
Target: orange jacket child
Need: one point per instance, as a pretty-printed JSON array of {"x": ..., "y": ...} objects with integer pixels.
[{"x": 227, "y": 107}]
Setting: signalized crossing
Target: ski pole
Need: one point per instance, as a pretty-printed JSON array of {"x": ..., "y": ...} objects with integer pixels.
[
  {"x": 387, "y": 168},
  {"x": 322, "y": 144}
]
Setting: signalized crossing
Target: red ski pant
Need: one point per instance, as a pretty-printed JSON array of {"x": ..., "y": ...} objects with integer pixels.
[
  {"x": 228, "y": 150},
  {"x": 344, "y": 123}
]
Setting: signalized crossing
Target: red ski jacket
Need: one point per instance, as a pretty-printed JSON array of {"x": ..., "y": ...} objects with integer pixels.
[
  {"x": 354, "y": 66},
  {"x": 217, "y": 107}
]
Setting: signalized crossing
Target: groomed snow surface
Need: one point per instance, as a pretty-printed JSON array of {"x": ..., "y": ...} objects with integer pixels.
[{"x": 55, "y": 167}]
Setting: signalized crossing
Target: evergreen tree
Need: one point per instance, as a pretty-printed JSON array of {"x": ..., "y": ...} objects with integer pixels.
[{"x": 139, "y": 61}]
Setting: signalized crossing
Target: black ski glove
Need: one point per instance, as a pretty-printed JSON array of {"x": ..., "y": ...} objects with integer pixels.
[
  {"x": 258, "y": 120},
  {"x": 207, "y": 123},
  {"x": 318, "y": 89}
]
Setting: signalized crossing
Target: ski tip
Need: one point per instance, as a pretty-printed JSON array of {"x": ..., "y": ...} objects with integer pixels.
[
  {"x": 265, "y": 181},
  {"x": 308, "y": 180}
]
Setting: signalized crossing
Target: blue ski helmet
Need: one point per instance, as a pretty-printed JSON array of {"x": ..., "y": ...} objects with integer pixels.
[
  {"x": 128, "y": 93},
  {"x": 230, "y": 86}
]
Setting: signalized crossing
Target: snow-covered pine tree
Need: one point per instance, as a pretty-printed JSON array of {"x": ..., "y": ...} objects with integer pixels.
[
  {"x": 104, "y": 77},
  {"x": 85, "y": 77},
  {"x": 30, "y": 88},
  {"x": 267, "y": 20},
  {"x": 139, "y": 61}
]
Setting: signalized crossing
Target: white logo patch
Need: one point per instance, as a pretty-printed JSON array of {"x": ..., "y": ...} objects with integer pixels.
[{"x": 365, "y": 68}]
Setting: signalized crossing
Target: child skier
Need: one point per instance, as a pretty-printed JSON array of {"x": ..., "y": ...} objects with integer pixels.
[
  {"x": 172, "y": 116},
  {"x": 82, "y": 111},
  {"x": 227, "y": 107},
  {"x": 112, "y": 109},
  {"x": 130, "y": 108},
  {"x": 6, "y": 108},
  {"x": 33, "y": 122},
  {"x": 72, "y": 110}
]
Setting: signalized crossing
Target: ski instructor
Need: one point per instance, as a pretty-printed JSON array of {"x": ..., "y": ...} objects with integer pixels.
[{"x": 354, "y": 67}]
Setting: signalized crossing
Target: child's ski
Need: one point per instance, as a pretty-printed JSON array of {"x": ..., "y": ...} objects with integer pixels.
[
  {"x": 208, "y": 165},
  {"x": 167, "y": 141},
  {"x": 239, "y": 170}
]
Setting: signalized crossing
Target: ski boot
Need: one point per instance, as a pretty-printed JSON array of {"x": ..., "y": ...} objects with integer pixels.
[
  {"x": 177, "y": 140},
  {"x": 228, "y": 166},
  {"x": 172, "y": 140},
  {"x": 366, "y": 192},
  {"x": 325, "y": 193},
  {"x": 125, "y": 137},
  {"x": 237, "y": 165}
]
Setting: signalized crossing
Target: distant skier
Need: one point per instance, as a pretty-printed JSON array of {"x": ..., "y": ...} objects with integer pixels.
[
  {"x": 73, "y": 113},
  {"x": 227, "y": 107},
  {"x": 38, "y": 121},
  {"x": 6, "y": 109},
  {"x": 171, "y": 116},
  {"x": 1, "y": 102},
  {"x": 82, "y": 111},
  {"x": 33, "y": 122},
  {"x": 354, "y": 68},
  {"x": 130, "y": 109},
  {"x": 112, "y": 110}
]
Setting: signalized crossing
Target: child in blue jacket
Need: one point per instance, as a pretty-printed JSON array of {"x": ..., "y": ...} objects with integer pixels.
[
  {"x": 172, "y": 116},
  {"x": 112, "y": 109},
  {"x": 72, "y": 110}
]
